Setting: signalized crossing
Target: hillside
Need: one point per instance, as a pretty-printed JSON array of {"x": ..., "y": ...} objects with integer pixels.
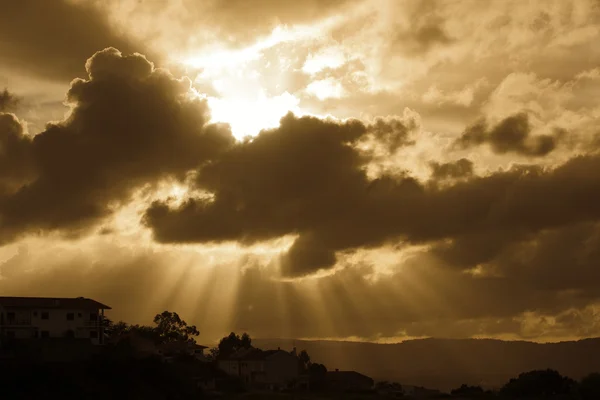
[{"x": 447, "y": 363}]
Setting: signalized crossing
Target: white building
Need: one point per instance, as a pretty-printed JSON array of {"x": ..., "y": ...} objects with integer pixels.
[{"x": 43, "y": 317}]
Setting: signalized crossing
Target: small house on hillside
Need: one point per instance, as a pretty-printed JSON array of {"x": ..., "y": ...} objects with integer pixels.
[
  {"x": 49, "y": 317},
  {"x": 173, "y": 349},
  {"x": 146, "y": 347},
  {"x": 270, "y": 369},
  {"x": 348, "y": 381}
]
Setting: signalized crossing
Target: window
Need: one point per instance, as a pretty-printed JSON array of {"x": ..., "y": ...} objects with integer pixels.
[
  {"x": 78, "y": 315},
  {"x": 70, "y": 316},
  {"x": 36, "y": 334},
  {"x": 94, "y": 334},
  {"x": 35, "y": 313},
  {"x": 45, "y": 334},
  {"x": 45, "y": 315},
  {"x": 10, "y": 316},
  {"x": 10, "y": 334},
  {"x": 93, "y": 317}
]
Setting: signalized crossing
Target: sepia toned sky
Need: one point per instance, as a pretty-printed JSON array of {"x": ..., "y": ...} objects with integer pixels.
[{"x": 352, "y": 169}]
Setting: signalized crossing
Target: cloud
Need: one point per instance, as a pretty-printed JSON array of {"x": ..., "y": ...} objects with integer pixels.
[
  {"x": 511, "y": 135},
  {"x": 62, "y": 33},
  {"x": 15, "y": 154},
  {"x": 424, "y": 31},
  {"x": 306, "y": 178},
  {"x": 130, "y": 125},
  {"x": 462, "y": 168},
  {"x": 189, "y": 27},
  {"x": 8, "y": 101}
]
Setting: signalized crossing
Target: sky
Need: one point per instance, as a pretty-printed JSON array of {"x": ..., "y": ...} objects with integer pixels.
[{"x": 373, "y": 170}]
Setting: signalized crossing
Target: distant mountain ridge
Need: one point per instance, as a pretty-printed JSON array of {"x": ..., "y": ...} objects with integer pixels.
[{"x": 447, "y": 363}]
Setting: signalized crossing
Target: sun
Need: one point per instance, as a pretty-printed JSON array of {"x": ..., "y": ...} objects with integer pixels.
[
  {"x": 249, "y": 114},
  {"x": 246, "y": 93}
]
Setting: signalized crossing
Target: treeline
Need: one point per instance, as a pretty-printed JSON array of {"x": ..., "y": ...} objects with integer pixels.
[{"x": 539, "y": 384}]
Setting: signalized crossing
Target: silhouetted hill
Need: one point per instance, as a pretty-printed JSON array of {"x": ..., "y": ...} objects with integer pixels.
[{"x": 447, "y": 363}]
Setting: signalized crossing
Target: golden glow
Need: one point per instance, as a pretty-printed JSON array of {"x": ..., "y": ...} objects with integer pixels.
[
  {"x": 250, "y": 112},
  {"x": 325, "y": 88},
  {"x": 331, "y": 57},
  {"x": 242, "y": 100}
]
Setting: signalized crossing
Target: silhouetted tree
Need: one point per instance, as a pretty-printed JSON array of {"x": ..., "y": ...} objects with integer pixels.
[
  {"x": 213, "y": 353},
  {"x": 317, "y": 376},
  {"x": 538, "y": 383},
  {"x": 466, "y": 390},
  {"x": 246, "y": 341},
  {"x": 304, "y": 358},
  {"x": 171, "y": 328},
  {"x": 145, "y": 331},
  {"x": 232, "y": 343},
  {"x": 114, "y": 329},
  {"x": 589, "y": 388}
]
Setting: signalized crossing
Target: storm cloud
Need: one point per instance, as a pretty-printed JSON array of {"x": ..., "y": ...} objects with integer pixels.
[
  {"x": 305, "y": 178},
  {"x": 8, "y": 101},
  {"x": 130, "y": 125},
  {"x": 511, "y": 135}
]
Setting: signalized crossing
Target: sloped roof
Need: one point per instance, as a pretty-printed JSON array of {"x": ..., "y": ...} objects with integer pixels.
[
  {"x": 253, "y": 353},
  {"x": 345, "y": 376},
  {"x": 181, "y": 346},
  {"x": 70, "y": 303}
]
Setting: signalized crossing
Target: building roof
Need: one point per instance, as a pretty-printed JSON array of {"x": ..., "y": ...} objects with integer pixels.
[
  {"x": 72, "y": 303},
  {"x": 253, "y": 353},
  {"x": 181, "y": 346},
  {"x": 345, "y": 376}
]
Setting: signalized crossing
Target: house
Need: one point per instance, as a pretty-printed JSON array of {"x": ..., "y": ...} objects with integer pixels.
[
  {"x": 419, "y": 391},
  {"x": 44, "y": 317},
  {"x": 147, "y": 347},
  {"x": 271, "y": 369},
  {"x": 347, "y": 381},
  {"x": 172, "y": 349}
]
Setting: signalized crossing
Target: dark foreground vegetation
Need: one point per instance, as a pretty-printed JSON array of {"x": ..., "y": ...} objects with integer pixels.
[{"x": 119, "y": 371}]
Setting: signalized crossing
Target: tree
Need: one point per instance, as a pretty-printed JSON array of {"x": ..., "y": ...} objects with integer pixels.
[
  {"x": 232, "y": 343},
  {"x": 114, "y": 329},
  {"x": 171, "y": 328},
  {"x": 304, "y": 358},
  {"x": 317, "y": 374},
  {"x": 589, "y": 388},
  {"x": 538, "y": 383},
  {"x": 245, "y": 341},
  {"x": 213, "y": 353},
  {"x": 466, "y": 390}
]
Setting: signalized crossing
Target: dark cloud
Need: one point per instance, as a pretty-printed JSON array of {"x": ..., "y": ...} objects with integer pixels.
[
  {"x": 393, "y": 133},
  {"x": 61, "y": 32},
  {"x": 511, "y": 135},
  {"x": 130, "y": 125},
  {"x": 306, "y": 178},
  {"x": 15, "y": 154},
  {"x": 462, "y": 168},
  {"x": 424, "y": 32},
  {"x": 8, "y": 101}
]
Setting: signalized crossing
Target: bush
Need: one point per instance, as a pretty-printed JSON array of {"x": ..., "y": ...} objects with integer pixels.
[{"x": 539, "y": 383}]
